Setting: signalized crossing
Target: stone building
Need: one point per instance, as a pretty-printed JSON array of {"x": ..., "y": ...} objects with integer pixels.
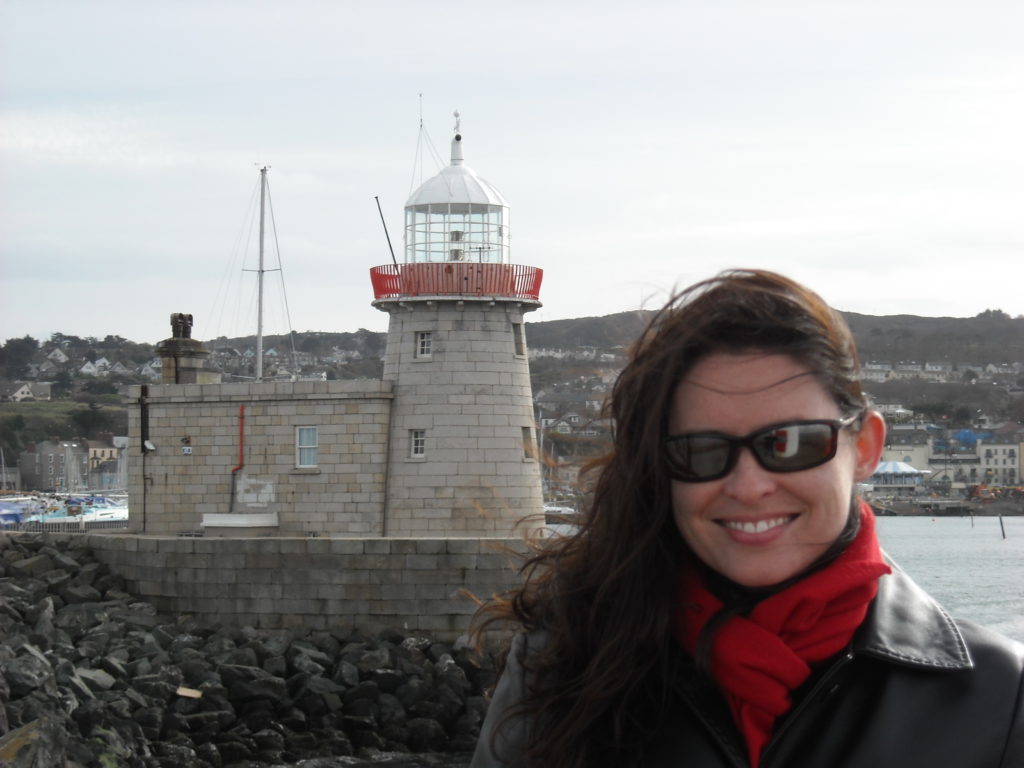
[
  {"x": 55, "y": 465},
  {"x": 442, "y": 446}
]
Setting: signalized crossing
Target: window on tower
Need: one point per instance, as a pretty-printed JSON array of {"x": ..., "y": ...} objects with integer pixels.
[
  {"x": 529, "y": 446},
  {"x": 417, "y": 443},
  {"x": 519, "y": 339},
  {"x": 424, "y": 344}
]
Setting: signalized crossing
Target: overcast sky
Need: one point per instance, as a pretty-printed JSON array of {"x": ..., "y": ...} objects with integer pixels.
[{"x": 870, "y": 149}]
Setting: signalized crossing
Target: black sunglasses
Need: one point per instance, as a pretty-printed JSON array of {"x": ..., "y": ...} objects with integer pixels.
[{"x": 793, "y": 446}]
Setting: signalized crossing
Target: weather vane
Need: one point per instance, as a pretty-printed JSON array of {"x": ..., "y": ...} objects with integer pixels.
[{"x": 457, "y": 120}]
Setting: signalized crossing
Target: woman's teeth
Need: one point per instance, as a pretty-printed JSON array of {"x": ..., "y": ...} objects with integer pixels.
[{"x": 751, "y": 527}]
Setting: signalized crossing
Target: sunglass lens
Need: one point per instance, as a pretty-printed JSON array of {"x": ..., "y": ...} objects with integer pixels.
[
  {"x": 698, "y": 457},
  {"x": 794, "y": 447}
]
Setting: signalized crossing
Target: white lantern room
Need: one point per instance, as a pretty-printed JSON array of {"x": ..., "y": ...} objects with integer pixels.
[{"x": 456, "y": 216}]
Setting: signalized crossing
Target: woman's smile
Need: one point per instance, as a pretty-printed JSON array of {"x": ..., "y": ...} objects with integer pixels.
[{"x": 755, "y": 526}]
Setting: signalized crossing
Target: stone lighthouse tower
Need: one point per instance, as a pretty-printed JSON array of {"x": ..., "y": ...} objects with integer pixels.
[{"x": 463, "y": 458}]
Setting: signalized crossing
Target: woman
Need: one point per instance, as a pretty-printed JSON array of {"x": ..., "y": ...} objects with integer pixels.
[{"x": 726, "y": 602}]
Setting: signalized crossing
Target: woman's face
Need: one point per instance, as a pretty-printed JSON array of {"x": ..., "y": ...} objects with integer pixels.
[{"x": 753, "y": 526}]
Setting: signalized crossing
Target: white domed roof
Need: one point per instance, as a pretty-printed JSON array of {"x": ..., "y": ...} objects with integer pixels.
[{"x": 456, "y": 183}]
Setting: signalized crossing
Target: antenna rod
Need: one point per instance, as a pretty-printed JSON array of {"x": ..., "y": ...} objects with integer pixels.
[{"x": 393, "y": 259}]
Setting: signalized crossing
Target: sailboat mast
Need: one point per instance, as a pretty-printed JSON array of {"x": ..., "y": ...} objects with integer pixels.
[{"x": 259, "y": 278}]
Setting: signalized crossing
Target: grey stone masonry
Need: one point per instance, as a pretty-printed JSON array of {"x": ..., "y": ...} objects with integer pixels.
[
  {"x": 232, "y": 452},
  {"x": 319, "y": 583},
  {"x": 463, "y": 456}
]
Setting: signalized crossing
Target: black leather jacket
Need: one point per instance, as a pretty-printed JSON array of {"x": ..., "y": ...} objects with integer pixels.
[{"x": 913, "y": 689}]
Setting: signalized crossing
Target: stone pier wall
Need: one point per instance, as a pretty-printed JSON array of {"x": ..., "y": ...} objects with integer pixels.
[{"x": 319, "y": 583}]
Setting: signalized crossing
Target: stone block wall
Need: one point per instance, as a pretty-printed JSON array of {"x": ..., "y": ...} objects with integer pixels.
[
  {"x": 320, "y": 583},
  {"x": 202, "y": 432},
  {"x": 472, "y": 401}
]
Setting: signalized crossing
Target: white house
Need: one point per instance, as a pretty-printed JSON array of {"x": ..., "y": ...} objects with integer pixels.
[{"x": 17, "y": 392}]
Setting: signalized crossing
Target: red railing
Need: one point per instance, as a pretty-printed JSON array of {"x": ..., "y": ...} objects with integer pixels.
[{"x": 514, "y": 281}]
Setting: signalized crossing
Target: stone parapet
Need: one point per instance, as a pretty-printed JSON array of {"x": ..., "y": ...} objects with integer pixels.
[{"x": 319, "y": 583}]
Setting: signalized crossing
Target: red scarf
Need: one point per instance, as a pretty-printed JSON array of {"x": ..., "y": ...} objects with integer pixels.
[{"x": 758, "y": 659}]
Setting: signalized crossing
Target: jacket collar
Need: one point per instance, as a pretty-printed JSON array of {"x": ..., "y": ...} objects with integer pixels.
[{"x": 906, "y": 626}]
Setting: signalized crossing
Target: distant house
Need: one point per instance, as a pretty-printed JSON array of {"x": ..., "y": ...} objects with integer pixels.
[
  {"x": 894, "y": 410},
  {"x": 1000, "y": 370},
  {"x": 120, "y": 369},
  {"x": 939, "y": 372},
  {"x": 876, "y": 371},
  {"x": 907, "y": 371},
  {"x": 343, "y": 355},
  {"x": 57, "y": 356},
  {"x": 561, "y": 426},
  {"x": 101, "y": 450},
  {"x": 1000, "y": 461},
  {"x": 16, "y": 392},
  {"x": 41, "y": 390},
  {"x": 88, "y": 369},
  {"x": 151, "y": 372}
]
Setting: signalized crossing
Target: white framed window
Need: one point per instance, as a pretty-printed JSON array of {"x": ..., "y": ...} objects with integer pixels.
[
  {"x": 417, "y": 443},
  {"x": 424, "y": 344},
  {"x": 306, "y": 447}
]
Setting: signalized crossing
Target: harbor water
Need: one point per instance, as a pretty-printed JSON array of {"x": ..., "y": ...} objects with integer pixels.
[{"x": 965, "y": 564}]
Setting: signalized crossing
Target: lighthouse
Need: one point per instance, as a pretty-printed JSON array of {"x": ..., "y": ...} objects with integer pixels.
[{"x": 462, "y": 452}]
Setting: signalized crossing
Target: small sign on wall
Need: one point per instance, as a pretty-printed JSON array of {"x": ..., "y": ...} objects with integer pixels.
[{"x": 186, "y": 450}]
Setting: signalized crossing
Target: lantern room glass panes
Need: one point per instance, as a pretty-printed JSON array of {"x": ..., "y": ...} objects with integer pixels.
[{"x": 470, "y": 232}]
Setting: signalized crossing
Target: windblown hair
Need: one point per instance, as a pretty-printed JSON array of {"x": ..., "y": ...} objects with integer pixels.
[{"x": 605, "y": 598}]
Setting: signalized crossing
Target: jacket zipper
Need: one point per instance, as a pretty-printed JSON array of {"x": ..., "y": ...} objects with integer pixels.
[{"x": 808, "y": 701}]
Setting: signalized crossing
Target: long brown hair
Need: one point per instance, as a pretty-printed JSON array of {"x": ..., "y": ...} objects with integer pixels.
[{"x": 605, "y": 598}]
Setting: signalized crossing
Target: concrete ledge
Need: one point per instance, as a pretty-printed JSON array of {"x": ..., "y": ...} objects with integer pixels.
[{"x": 240, "y": 520}]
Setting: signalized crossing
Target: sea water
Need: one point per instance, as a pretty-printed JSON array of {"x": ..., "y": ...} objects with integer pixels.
[{"x": 965, "y": 564}]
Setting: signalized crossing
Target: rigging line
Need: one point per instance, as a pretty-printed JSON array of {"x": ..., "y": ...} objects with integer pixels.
[
  {"x": 280, "y": 268},
  {"x": 417, "y": 158},
  {"x": 420, "y": 156},
  {"x": 232, "y": 269},
  {"x": 433, "y": 151},
  {"x": 246, "y": 318}
]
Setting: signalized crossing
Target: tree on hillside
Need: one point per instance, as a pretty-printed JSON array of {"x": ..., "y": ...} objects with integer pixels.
[
  {"x": 63, "y": 385},
  {"x": 11, "y": 432},
  {"x": 17, "y": 354},
  {"x": 100, "y": 387},
  {"x": 91, "y": 420},
  {"x": 72, "y": 345}
]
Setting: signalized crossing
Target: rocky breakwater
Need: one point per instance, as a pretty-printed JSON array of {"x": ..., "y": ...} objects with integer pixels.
[{"x": 92, "y": 676}]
